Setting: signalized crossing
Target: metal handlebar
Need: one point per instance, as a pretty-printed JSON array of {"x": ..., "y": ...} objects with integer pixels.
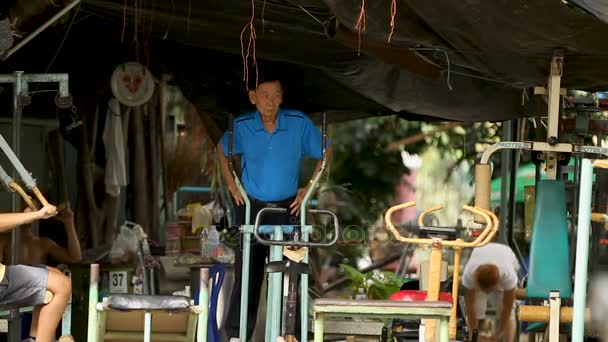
[
  {"x": 258, "y": 219},
  {"x": 26, "y": 198},
  {"x": 485, "y": 237}
]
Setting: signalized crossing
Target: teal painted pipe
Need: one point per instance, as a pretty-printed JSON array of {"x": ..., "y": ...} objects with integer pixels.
[
  {"x": 195, "y": 189},
  {"x": 275, "y": 290},
  {"x": 246, "y": 230},
  {"x": 306, "y": 230},
  {"x": 93, "y": 297},
  {"x": 582, "y": 251},
  {"x": 203, "y": 303}
]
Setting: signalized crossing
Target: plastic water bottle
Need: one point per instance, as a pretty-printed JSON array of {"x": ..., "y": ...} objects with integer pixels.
[
  {"x": 205, "y": 251},
  {"x": 214, "y": 240},
  {"x": 210, "y": 239}
]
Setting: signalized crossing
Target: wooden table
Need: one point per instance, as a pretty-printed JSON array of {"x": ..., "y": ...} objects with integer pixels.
[{"x": 381, "y": 309}]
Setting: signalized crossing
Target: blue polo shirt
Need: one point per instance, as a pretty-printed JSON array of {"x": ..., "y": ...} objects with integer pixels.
[{"x": 271, "y": 161}]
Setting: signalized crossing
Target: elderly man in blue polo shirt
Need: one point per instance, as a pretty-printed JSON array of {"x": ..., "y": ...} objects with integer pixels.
[{"x": 272, "y": 143}]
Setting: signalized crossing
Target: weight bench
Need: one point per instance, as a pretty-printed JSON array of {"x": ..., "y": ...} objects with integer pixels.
[
  {"x": 381, "y": 309},
  {"x": 549, "y": 275},
  {"x": 143, "y": 317}
]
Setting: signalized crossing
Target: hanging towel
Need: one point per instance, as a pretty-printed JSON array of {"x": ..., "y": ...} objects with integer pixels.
[{"x": 116, "y": 175}]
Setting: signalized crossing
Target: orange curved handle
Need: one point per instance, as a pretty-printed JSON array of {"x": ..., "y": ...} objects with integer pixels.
[
  {"x": 601, "y": 163},
  {"x": 491, "y": 222},
  {"x": 426, "y": 212},
  {"x": 599, "y": 217},
  {"x": 24, "y": 195},
  {"x": 395, "y": 231},
  {"x": 486, "y": 235},
  {"x": 40, "y": 197}
]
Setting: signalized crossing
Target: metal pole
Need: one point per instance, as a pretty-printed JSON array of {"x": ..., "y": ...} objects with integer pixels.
[
  {"x": 507, "y": 128},
  {"x": 512, "y": 199},
  {"x": 582, "y": 251},
  {"x": 14, "y": 324}
]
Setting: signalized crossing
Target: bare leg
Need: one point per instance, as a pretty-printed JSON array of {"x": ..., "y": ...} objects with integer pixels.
[
  {"x": 34, "y": 326},
  {"x": 46, "y": 317}
]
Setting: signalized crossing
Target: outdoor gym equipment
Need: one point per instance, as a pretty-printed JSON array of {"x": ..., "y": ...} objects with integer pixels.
[
  {"x": 107, "y": 318},
  {"x": 550, "y": 226},
  {"x": 582, "y": 246},
  {"x": 300, "y": 239},
  {"x": 295, "y": 266},
  {"x": 439, "y": 238},
  {"x": 12, "y": 186}
]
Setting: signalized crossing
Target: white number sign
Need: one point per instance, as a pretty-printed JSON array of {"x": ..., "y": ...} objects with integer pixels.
[{"x": 118, "y": 282}]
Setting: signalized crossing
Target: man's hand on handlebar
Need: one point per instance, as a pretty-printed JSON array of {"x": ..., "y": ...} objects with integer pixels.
[
  {"x": 295, "y": 205},
  {"x": 236, "y": 195}
]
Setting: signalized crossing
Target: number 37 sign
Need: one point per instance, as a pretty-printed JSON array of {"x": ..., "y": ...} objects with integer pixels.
[{"x": 119, "y": 282}]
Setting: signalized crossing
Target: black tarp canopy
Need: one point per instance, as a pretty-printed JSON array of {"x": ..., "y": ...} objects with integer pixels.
[{"x": 466, "y": 60}]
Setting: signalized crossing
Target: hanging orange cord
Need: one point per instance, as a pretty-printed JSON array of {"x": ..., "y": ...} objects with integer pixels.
[
  {"x": 393, "y": 14},
  {"x": 250, "y": 48},
  {"x": 361, "y": 24}
]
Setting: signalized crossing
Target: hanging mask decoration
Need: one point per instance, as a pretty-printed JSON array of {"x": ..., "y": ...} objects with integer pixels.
[{"x": 132, "y": 84}]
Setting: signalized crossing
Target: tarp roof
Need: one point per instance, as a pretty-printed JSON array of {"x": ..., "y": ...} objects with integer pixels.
[{"x": 464, "y": 60}]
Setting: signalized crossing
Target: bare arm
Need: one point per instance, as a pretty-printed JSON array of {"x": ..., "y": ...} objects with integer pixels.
[
  {"x": 234, "y": 191},
  {"x": 57, "y": 253},
  {"x": 73, "y": 254},
  {"x": 469, "y": 300},
  {"x": 295, "y": 205},
  {"x": 507, "y": 305},
  {"x": 9, "y": 221}
]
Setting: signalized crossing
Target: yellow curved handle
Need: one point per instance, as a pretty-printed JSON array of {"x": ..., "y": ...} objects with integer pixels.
[
  {"x": 24, "y": 195},
  {"x": 486, "y": 235},
  {"x": 484, "y": 238},
  {"x": 426, "y": 212},
  {"x": 40, "y": 197},
  {"x": 393, "y": 229},
  {"x": 599, "y": 217},
  {"x": 601, "y": 163}
]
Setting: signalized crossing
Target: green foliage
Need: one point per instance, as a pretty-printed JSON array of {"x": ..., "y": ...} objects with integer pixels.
[
  {"x": 377, "y": 285},
  {"x": 364, "y": 172}
]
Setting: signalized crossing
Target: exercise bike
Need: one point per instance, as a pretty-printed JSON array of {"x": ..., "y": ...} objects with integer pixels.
[{"x": 439, "y": 238}]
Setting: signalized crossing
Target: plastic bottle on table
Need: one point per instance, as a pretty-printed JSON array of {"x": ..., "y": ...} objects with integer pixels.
[
  {"x": 214, "y": 239},
  {"x": 205, "y": 248}
]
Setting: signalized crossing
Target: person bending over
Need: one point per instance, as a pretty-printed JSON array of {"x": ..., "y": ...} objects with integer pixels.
[{"x": 491, "y": 271}]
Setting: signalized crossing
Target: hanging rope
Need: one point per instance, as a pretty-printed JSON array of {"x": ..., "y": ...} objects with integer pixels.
[
  {"x": 393, "y": 14},
  {"x": 361, "y": 24},
  {"x": 250, "y": 48}
]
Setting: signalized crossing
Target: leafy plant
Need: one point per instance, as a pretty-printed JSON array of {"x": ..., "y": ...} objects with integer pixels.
[{"x": 376, "y": 284}]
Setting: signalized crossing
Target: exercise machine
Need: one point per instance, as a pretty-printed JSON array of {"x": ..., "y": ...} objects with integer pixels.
[
  {"x": 134, "y": 317},
  {"x": 439, "y": 238},
  {"x": 549, "y": 248},
  {"x": 296, "y": 264}
]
